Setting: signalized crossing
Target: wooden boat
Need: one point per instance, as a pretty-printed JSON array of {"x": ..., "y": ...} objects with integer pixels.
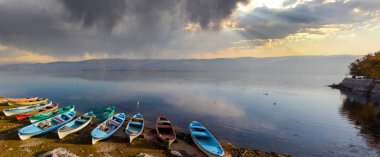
[
  {"x": 165, "y": 130},
  {"x": 5, "y": 100},
  {"x": 107, "y": 128},
  {"x": 45, "y": 126},
  {"x": 25, "y": 115},
  {"x": 22, "y": 109},
  {"x": 204, "y": 140},
  {"x": 105, "y": 114},
  {"x": 30, "y": 102},
  {"x": 135, "y": 127},
  {"x": 75, "y": 125},
  {"x": 46, "y": 115}
]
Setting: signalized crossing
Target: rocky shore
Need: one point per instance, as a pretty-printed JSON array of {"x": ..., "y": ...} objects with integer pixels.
[
  {"x": 79, "y": 144},
  {"x": 365, "y": 86}
]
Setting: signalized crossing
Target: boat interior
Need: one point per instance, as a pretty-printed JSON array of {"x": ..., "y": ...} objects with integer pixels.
[{"x": 165, "y": 129}]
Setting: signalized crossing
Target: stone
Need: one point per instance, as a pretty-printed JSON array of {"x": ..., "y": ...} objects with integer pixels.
[
  {"x": 144, "y": 155},
  {"x": 58, "y": 152},
  {"x": 376, "y": 89},
  {"x": 176, "y": 153},
  {"x": 358, "y": 85}
]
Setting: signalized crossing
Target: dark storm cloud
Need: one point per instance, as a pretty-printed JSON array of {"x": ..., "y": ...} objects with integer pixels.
[
  {"x": 153, "y": 28},
  {"x": 69, "y": 27},
  {"x": 107, "y": 13},
  {"x": 268, "y": 23},
  {"x": 206, "y": 11},
  {"x": 104, "y": 14}
]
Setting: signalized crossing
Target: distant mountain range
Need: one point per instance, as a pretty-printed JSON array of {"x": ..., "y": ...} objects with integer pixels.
[{"x": 329, "y": 64}]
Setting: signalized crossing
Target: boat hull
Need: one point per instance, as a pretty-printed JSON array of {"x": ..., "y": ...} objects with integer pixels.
[
  {"x": 65, "y": 133},
  {"x": 26, "y": 115},
  {"x": 132, "y": 136},
  {"x": 28, "y": 102},
  {"x": 99, "y": 134},
  {"x": 204, "y": 151},
  {"x": 24, "y": 109},
  {"x": 24, "y": 136},
  {"x": 62, "y": 134},
  {"x": 32, "y": 130},
  {"x": 166, "y": 137},
  {"x": 213, "y": 146},
  {"x": 34, "y": 119}
]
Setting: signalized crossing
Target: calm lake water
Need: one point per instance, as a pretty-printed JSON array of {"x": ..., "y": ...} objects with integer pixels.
[{"x": 287, "y": 113}]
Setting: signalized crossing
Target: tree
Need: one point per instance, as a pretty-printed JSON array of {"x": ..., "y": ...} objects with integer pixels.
[{"x": 368, "y": 66}]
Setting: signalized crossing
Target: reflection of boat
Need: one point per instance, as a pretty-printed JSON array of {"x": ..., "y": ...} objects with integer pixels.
[
  {"x": 6, "y": 100},
  {"x": 165, "y": 130},
  {"x": 49, "y": 114},
  {"x": 105, "y": 114},
  {"x": 204, "y": 140},
  {"x": 107, "y": 128},
  {"x": 30, "y": 102},
  {"x": 135, "y": 127},
  {"x": 45, "y": 126},
  {"x": 22, "y": 116},
  {"x": 23, "y": 109},
  {"x": 75, "y": 125}
]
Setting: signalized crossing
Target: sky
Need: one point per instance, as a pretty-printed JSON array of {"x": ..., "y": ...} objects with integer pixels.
[{"x": 70, "y": 30}]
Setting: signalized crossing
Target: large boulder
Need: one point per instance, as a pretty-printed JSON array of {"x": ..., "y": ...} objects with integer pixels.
[
  {"x": 358, "y": 85},
  {"x": 376, "y": 89}
]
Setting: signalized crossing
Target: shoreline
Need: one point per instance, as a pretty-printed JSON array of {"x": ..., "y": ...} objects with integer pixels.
[{"x": 80, "y": 143}]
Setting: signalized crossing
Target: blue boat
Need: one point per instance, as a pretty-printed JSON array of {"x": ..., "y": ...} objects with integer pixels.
[
  {"x": 135, "y": 127},
  {"x": 45, "y": 126},
  {"x": 107, "y": 128},
  {"x": 204, "y": 140}
]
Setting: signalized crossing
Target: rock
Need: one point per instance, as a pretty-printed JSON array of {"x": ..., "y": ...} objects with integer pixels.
[
  {"x": 144, "y": 155},
  {"x": 90, "y": 155},
  {"x": 10, "y": 149},
  {"x": 61, "y": 152},
  {"x": 376, "y": 89},
  {"x": 358, "y": 85},
  {"x": 176, "y": 153}
]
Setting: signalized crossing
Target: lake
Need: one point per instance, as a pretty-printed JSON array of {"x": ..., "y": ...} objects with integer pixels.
[{"x": 292, "y": 113}]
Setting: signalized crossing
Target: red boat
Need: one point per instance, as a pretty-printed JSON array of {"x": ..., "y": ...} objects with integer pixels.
[{"x": 22, "y": 116}]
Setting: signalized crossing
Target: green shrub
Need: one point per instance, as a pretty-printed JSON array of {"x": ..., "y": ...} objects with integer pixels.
[{"x": 368, "y": 66}]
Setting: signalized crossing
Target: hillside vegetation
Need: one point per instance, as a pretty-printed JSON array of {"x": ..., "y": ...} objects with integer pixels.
[{"x": 368, "y": 66}]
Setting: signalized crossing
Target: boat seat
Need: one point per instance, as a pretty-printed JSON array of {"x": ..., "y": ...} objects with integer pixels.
[
  {"x": 114, "y": 122},
  {"x": 163, "y": 121},
  {"x": 58, "y": 119},
  {"x": 81, "y": 120},
  {"x": 199, "y": 134},
  {"x": 164, "y": 126},
  {"x": 137, "y": 124},
  {"x": 137, "y": 119}
]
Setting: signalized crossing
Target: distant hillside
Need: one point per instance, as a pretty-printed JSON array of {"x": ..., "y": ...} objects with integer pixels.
[{"x": 304, "y": 64}]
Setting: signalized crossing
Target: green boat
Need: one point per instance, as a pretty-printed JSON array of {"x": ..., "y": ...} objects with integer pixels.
[
  {"x": 46, "y": 115},
  {"x": 105, "y": 114}
]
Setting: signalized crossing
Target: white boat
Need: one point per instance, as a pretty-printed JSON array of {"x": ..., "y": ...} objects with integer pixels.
[
  {"x": 23, "y": 109},
  {"x": 75, "y": 125},
  {"x": 135, "y": 127}
]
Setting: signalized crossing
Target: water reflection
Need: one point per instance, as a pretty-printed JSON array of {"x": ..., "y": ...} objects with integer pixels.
[
  {"x": 363, "y": 111},
  {"x": 293, "y": 114}
]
